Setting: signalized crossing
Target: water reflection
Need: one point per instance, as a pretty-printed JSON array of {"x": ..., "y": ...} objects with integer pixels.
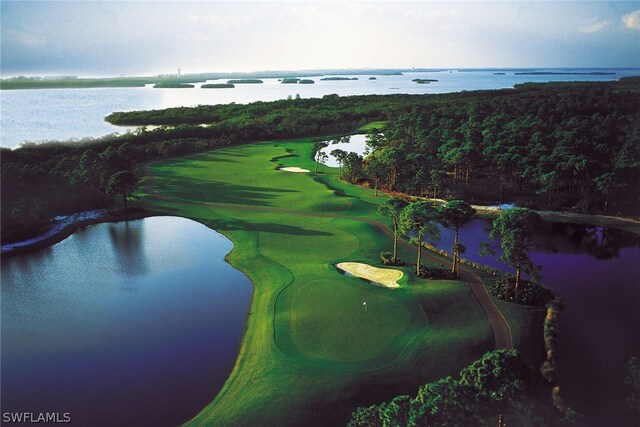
[
  {"x": 596, "y": 271},
  {"x": 350, "y": 143},
  {"x": 596, "y": 242},
  {"x": 72, "y": 340},
  {"x": 127, "y": 240}
]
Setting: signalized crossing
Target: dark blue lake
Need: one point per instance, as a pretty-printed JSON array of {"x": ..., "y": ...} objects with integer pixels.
[
  {"x": 596, "y": 271},
  {"x": 130, "y": 323}
]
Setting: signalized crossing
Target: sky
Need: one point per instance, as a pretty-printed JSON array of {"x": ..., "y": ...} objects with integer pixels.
[{"x": 112, "y": 38}]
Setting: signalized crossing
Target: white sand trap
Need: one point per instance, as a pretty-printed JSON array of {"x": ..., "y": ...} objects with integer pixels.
[
  {"x": 382, "y": 276},
  {"x": 294, "y": 169}
]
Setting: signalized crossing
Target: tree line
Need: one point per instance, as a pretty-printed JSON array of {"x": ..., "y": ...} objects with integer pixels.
[
  {"x": 514, "y": 230},
  {"x": 498, "y": 389},
  {"x": 570, "y": 147}
]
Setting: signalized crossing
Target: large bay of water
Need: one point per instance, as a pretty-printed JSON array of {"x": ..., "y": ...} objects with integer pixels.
[
  {"x": 63, "y": 114},
  {"x": 130, "y": 323},
  {"x": 596, "y": 271}
]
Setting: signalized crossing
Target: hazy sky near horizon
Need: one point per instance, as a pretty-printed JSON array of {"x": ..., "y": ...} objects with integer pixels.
[{"x": 108, "y": 38}]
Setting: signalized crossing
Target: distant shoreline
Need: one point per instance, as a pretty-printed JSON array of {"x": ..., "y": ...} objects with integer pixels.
[
  {"x": 568, "y": 73},
  {"x": 74, "y": 82}
]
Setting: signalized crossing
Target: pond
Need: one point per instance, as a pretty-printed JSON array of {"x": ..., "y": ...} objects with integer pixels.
[
  {"x": 135, "y": 323},
  {"x": 596, "y": 271},
  {"x": 351, "y": 144}
]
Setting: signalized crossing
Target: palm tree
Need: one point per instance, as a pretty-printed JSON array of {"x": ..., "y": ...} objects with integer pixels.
[
  {"x": 416, "y": 218},
  {"x": 318, "y": 155},
  {"x": 515, "y": 228},
  {"x": 392, "y": 209},
  {"x": 455, "y": 214}
]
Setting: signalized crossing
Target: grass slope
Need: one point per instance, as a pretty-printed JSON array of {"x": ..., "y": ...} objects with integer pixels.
[{"x": 311, "y": 354}]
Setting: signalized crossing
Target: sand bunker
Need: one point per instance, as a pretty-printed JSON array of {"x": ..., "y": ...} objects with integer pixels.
[
  {"x": 381, "y": 276},
  {"x": 294, "y": 169}
]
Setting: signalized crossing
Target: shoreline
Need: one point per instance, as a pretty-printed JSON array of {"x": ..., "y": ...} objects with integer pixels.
[
  {"x": 629, "y": 224},
  {"x": 60, "y": 232}
]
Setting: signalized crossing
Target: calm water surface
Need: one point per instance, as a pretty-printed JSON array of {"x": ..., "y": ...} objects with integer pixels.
[
  {"x": 596, "y": 271},
  {"x": 132, "y": 323},
  {"x": 62, "y": 114},
  {"x": 355, "y": 144}
]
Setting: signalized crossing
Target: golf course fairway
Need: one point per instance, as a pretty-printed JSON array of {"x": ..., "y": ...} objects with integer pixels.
[{"x": 312, "y": 352}]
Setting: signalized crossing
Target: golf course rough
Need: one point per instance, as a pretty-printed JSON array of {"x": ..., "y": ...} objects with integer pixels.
[
  {"x": 386, "y": 277},
  {"x": 312, "y": 352}
]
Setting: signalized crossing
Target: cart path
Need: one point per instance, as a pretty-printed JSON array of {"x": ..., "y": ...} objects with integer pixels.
[{"x": 499, "y": 326}]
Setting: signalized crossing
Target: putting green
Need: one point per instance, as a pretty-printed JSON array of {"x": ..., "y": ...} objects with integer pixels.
[{"x": 328, "y": 321}]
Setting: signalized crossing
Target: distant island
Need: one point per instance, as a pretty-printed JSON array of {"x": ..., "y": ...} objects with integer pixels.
[
  {"x": 499, "y": 74},
  {"x": 339, "y": 78},
  {"x": 290, "y": 80},
  {"x": 373, "y": 78},
  {"x": 244, "y": 81},
  {"x": 22, "y": 82},
  {"x": 306, "y": 82},
  {"x": 424, "y": 81},
  {"x": 171, "y": 84},
  {"x": 218, "y": 86},
  {"x": 563, "y": 73}
]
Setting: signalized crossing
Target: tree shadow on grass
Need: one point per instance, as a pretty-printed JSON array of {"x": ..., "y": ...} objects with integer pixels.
[
  {"x": 200, "y": 190},
  {"x": 268, "y": 227},
  {"x": 337, "y": 191}
]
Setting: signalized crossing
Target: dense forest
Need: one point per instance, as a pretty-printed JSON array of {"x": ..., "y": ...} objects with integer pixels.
[
  {"x": 559, "y": 145},
  {"x": 576, "y": 148},
  {"x": 498, "y": 389}
]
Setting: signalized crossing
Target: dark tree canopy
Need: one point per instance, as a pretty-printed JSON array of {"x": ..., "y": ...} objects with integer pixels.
[
  {"x": 516, "y": 228},
  {"x": 499, "y": 384},
  {"x": 416, "y": 220},
  {"x": 123, "y": 184},
  {"x": 454, "y": 214}
]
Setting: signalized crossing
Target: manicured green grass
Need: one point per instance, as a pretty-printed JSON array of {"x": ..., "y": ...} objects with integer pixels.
[
  {"x": 311, "y": 354},
  {"x": 379, "y": 125},
  {"x": 526, "y": 325}
]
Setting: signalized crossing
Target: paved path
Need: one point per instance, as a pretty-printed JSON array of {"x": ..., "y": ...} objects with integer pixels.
[{"x": 499, "y": 326}]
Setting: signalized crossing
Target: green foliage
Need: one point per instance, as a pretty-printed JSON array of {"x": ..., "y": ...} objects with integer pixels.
[
  {"x": 22, "y": 82},
  {"x": 218, "y": 86},
  {"x": 387, "y": 258},
  {"x": 353, "y": 167},
  {"x": 244, "y": 81},
  {"x": 339, "y": 78},
  {"x": 173, "y": 84},
  {"x": 498, "y": 384},
  {"x": 417, "y": 219},
  {"x": 515, "y": 228},
  {"x": 527, "y": 293},
  {"x": 561, "y": 145},
  {"x": 424, "y": 81},
  {"x": 454, "y": 214},
  {"x": 438, "y": 274},
  {"x": 123, "y": 184},
  {"x": 392, "y": 209}
]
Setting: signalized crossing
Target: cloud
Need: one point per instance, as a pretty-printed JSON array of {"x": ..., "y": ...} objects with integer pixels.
[
  {"x": 594, "y": 27},
  {"x": 632, "y": 20},
  {"x": 25, "y": 38}
]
